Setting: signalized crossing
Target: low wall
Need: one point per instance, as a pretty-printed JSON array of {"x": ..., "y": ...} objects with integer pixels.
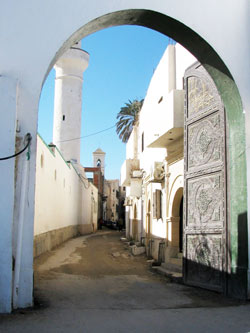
[{"x": 47, "y": 241}]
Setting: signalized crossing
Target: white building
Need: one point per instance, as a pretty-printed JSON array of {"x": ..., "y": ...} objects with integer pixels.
[
  {"x": 153, "y": 170},
  {"x": 111, "y": 192}
]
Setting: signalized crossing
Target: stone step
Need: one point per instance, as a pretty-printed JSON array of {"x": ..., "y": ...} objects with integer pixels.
[
  {"x": 172, "y": 275},
  {"x": 180, "y": 255},
  {"x": 137, "y": 250},
  {"x": 173, "y": 265},
  {"x": 175, "y": 261}
]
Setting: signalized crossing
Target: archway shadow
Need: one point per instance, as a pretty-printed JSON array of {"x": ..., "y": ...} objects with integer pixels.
[{"x": 232, "y": 283}]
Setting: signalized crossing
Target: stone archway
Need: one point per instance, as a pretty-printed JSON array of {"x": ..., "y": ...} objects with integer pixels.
[
  {"x": 35, "y": 61},
  {"x": 226, "y": 87}
]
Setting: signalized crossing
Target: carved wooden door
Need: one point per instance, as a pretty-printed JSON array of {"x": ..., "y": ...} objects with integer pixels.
[{"x": 204, "y": 230}]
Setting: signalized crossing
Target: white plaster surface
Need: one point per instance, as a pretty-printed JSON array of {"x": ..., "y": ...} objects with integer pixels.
[
  {"x": 62, "y": 199},
  {"x": 8, "y": 88},
  {"x": 42, "y": 32},
  {"x": 176, "y": 181}
]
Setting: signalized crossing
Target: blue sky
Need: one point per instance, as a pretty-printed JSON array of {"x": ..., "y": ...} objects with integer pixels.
[{"x": 122, "y": 62}]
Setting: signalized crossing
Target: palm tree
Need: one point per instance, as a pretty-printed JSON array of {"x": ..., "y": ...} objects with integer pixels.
[{"x": 127, "y": 118}]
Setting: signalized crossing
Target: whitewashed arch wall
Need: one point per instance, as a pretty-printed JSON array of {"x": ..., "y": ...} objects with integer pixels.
[
  {"x": 177, "y": 183},
  {"x": 33, "y": 36}
]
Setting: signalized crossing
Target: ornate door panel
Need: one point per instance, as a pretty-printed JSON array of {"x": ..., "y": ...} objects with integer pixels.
[{"x": 204, "y": 210}]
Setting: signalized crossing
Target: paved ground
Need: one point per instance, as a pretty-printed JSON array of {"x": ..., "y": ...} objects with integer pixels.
[{"x": 93, "y": 284}]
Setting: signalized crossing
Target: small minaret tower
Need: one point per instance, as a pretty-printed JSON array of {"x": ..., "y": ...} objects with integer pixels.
[
  {"x": 99, "y": 159},
  {"x": 68, "y": 101}
]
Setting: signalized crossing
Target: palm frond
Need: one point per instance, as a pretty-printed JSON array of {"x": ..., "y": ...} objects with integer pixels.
[{"x": 127, "y": 117}]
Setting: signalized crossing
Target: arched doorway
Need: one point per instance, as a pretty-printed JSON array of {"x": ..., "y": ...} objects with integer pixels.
[
  {"x": 177, "y": 223},
  {"x": 70, "y": 30}
]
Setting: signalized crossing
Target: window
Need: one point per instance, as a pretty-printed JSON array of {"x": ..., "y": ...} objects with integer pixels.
[
  {"x": 160, "y": 100},
  {"x": 42, "y": 160},
  {"x": 157, "y": 204},
  {"x": 63, "y": 117},
  {"x": 142, "y": 142}
]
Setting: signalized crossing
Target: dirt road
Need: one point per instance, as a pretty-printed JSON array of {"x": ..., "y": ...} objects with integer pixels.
[{"x": 92, "y": 284}]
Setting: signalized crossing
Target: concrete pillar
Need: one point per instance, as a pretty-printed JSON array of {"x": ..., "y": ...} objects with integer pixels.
[
  {"x": 8, "y": 89},
  {"x": 68, "y": 102}
]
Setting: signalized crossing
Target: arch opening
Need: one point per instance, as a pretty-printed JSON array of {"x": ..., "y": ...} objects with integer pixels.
[
  {"x": 223, "y": 81},
  {"x": 214, "y": 65},
  {"x": 177, "y": 221}
]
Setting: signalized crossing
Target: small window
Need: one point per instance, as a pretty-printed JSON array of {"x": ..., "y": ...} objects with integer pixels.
[
  {"x": 42, "y": 160},
  {"x": 63, "y": 117},
  {"x": 142, "y": 142},
  {"x": 160, "y": 100}
]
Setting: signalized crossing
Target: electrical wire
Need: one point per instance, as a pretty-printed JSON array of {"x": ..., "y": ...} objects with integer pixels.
[
  {"x": 86, "y": 136},
  {"x": 28, "y": 138}
]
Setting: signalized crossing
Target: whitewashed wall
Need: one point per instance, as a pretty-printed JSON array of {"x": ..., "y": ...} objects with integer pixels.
[{"x": 61, "y": 198}]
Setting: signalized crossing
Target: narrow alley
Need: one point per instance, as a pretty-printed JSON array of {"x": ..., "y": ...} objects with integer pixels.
[{"x": 92, "y": 283}]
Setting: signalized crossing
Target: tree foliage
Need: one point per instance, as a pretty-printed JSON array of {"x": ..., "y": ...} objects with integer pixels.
[{"x": 127, "y": 118}]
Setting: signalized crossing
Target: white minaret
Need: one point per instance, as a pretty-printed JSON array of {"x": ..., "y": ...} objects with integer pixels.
[
  {"x": 171, "y": 61},
  {"x": 68, "y": 101},
  {"x": 99, "y": 159}
]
